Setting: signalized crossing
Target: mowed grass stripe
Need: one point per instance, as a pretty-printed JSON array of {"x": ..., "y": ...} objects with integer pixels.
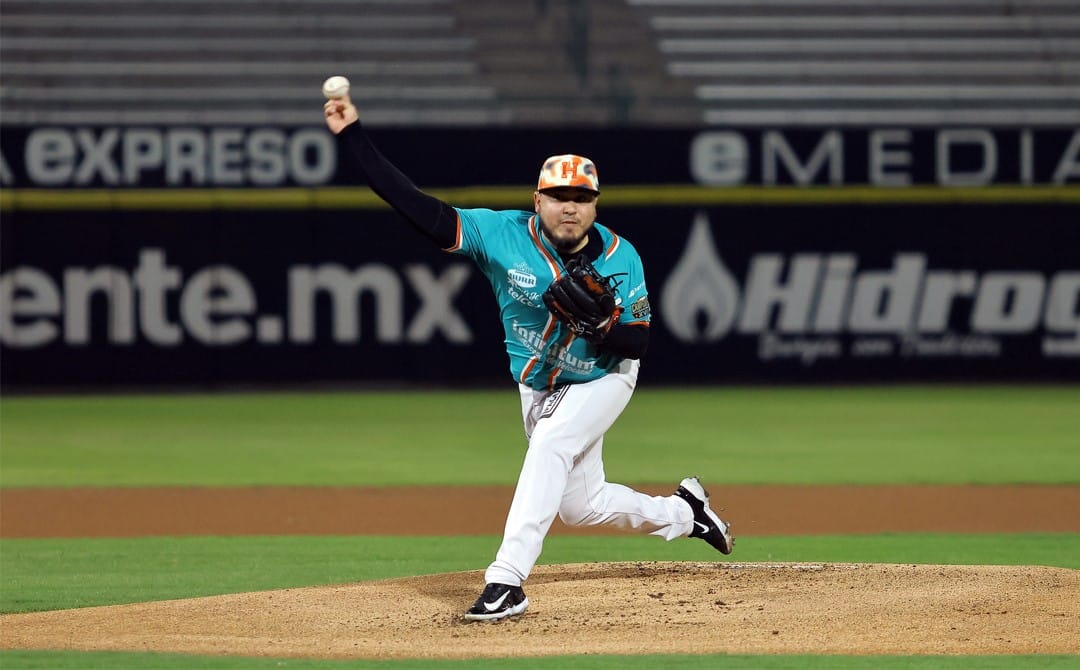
[
  {"x": 60, "y": 660},
  {"x": 753, "y": 435}
]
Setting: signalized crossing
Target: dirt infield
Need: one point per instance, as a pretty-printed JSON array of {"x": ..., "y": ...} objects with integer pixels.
[
  {"x": 611, "y": 608},
  {"x": 619, "y": 608},
  {"x": 753, "y": 510}
]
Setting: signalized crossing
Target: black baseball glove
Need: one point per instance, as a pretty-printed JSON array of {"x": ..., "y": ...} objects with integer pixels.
[{"x": 583, "y": 300}]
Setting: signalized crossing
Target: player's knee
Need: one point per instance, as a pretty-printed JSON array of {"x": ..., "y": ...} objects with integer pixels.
[
  {"x": 578, "y": 516},
  {"x": 582, "y": 512}
]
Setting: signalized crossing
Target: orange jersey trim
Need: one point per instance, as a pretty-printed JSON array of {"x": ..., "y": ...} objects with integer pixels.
[
  {"x": 612, "y": 247},
  {"x": 535, "y": 359},
  {"x": 557, "y": 371},
  {"x": 553, "y": 264},
  {"x": 457, "y": 237}
]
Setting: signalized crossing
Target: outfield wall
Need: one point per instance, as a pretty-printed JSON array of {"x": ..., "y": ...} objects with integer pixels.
[{"x": 233, "y": 256}]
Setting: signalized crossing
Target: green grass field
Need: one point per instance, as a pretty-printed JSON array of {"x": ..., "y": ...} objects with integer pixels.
[
  {"x": 897, "y": 435},
  {"x": 903, "y": 435}
]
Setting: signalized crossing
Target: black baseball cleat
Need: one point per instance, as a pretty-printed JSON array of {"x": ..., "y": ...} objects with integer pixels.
[
  {"x": 498, "y": 601},
  {"x": 707, "y": 525}
]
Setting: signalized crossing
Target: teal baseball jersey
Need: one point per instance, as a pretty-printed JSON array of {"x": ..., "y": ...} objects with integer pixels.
[{"x": 520, "y": 263}]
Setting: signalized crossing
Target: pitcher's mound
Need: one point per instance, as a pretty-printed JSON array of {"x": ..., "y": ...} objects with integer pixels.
[{"x": 607, "y": 608}]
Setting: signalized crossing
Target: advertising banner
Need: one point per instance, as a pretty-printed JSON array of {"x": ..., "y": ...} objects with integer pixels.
[
  {"x": 275, "y": 157},
  {"x": 762, "y": 294}
]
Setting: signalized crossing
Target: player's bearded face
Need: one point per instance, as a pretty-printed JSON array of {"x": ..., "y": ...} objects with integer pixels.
[{"x": 566, "y": 215}]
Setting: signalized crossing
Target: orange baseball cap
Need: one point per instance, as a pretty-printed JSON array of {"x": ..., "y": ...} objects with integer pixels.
[{"x": 568, "y": 170}]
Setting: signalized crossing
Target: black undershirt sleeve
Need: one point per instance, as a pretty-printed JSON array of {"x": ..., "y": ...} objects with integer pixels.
[
  {"x": 432, "y": 217},
  {"x": 627, "y": 341}
]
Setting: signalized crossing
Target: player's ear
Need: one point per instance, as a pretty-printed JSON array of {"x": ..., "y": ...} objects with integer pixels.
[{"x": 536, "y": 201}]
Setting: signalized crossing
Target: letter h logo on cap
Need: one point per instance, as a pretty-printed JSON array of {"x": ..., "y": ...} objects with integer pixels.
[
  {"x": 568, "y": 171},
  {"x": 569, "y": 168}
]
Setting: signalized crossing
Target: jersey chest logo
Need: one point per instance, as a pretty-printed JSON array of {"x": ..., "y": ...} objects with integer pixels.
[
  {"x": 521, "y": 278},
  {"x": 521, "y": 285}
]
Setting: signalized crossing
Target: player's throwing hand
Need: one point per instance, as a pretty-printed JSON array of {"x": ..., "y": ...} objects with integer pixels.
[{"x": 339, "y": 113}]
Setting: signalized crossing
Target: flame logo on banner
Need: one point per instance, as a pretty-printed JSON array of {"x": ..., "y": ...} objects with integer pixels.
[{"x": 700, "y": 300}]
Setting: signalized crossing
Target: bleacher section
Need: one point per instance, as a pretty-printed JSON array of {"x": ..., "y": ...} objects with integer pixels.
[
  {"x": 561, "y": 62},
  {"x": 874, "y": 61},
  {"x": 237, "y": 61},
  {"x": 543, "y": 62}
]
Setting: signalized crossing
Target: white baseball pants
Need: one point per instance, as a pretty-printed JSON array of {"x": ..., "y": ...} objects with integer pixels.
[{"x": 563, "y": 473}]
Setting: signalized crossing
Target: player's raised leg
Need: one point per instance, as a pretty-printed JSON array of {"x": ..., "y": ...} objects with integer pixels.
[{"x": 591, "y": 500}]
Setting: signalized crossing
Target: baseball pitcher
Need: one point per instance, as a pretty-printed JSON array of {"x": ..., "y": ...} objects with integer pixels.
[{"x": 575, "y": 311}]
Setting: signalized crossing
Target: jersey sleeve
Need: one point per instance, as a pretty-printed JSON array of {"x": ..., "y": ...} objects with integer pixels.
[
  {"x": 632, "y": 291},
  {"x": 479, "y": 231}
]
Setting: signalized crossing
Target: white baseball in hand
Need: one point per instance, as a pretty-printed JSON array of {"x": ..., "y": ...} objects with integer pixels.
[{"x": 335, "y": 87}]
